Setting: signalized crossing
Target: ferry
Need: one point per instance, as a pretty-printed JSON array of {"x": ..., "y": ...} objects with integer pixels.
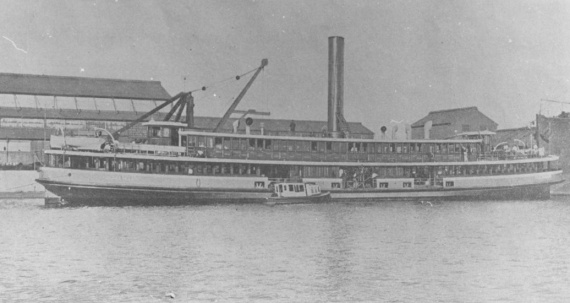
[
  {"x": 180, "y": 164},
  {"x": 297, "y": 193}
]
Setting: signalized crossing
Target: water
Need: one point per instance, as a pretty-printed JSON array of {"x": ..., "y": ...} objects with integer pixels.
[{"x": 361, "y": 252}]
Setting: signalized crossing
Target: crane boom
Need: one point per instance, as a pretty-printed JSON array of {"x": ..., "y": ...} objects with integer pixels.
[
  {"x": 150, "y": 113},
  {"x": 230, "y": 110}
]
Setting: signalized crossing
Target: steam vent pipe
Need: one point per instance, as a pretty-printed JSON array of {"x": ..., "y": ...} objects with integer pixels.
[{"x": 336, "y": 84}]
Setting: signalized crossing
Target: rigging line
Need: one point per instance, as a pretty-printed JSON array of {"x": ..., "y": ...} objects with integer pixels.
[
  {"x": 212, "y": 84},
  {"x": 207, "y": 96}
]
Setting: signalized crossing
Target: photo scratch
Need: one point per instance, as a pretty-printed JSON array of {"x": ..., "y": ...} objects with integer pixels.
[{"x": 14, "y": 44}]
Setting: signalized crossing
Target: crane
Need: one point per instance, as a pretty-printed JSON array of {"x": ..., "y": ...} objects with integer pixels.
[
  {"x": 185, "y": 99},
  {"x": 230, "y": 110}
]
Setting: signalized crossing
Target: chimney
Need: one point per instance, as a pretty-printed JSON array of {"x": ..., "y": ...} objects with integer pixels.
[
  {"x": 189, "y": 110},
  {"x": 336, "y": 85}
]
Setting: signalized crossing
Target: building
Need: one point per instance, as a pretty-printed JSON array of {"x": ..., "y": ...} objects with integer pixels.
[
  {"x": 448, "y": 123},
  {"x": 35, "y": 106},
  {"x": 32, "y": 107}
]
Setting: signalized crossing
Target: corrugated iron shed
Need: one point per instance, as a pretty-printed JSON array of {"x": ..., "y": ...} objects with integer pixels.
[
  {"x": 445, "y": 116},
  {"x": 41, "y": 85},
  {"x": 18, "y": 133}
]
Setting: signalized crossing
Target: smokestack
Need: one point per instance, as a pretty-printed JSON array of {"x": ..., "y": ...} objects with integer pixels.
[
  {"x": 336, "y": 84},
  {"x": 190, "y": 110}
]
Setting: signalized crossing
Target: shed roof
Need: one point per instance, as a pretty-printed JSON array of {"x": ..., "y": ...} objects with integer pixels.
[
  {"x": 205, "y": 123},
  {"x": 443, "y": 116},
  {"x": 41, "y": 85}
]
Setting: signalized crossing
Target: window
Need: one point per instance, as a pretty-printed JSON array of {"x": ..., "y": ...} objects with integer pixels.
[
  {"x": 201, "y": 142},
  {"x": 166, "y": 132},
  {"x": 329, "y": 146},
  {"x": 335, "y": 185},
  {"x": 218, "y": 142},
  {"x": 407, "y": 184},
  {"x": 313, "y": 146},
  {"x": 251, "y": 143},
  {"x": 291, "y": 188},
  {"x": 227, "y": 143},
  {"x": 353, "y": 147},
  {"x": 382, "y": 184},
  {"x": 191, "y": 140},
  {"x": 260, "y": 143},
  {"x": 301, "y": 187},
  {"x": 235, "y": 143},
  {"x": 321, "y": 147},
  {"x": 364, "y": 147},
  {"x": 343, "y": 147},
  {"x": 449, "y": 184},
  {"x": 267, "y": 144}
]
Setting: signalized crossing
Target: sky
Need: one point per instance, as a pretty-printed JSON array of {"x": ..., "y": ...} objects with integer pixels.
[{"x": 403, "y": 58}]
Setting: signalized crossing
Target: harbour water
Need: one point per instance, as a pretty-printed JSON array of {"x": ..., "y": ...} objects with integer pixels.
[{"x": 508, "y": 251}]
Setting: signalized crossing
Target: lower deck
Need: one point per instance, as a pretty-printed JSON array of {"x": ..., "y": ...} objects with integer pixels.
[{"x": 90, "y": 186}]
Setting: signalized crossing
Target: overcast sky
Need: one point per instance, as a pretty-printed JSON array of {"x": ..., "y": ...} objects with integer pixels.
[{"x": 402, "y": 58}]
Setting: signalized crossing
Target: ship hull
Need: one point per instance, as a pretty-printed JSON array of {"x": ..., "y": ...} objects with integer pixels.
[
  {"x": 526, "y": 192},
  {"x": 125, "y": 194},
  {"x": 116, "y": 195},
  {"x": 94, "y": 187}
]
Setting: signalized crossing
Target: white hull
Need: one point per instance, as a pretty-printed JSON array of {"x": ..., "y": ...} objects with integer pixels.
[{"x": 92, "y": 185}]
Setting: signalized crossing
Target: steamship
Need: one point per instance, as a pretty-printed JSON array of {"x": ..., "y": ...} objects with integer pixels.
[{"x": 180, "y": 164}]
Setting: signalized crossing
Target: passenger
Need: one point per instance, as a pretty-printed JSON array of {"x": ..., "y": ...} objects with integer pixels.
[{"x": 292, "y": 126}]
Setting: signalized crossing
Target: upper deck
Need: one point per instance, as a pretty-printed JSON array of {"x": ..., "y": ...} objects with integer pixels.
[{"x": 239, "y": 146}]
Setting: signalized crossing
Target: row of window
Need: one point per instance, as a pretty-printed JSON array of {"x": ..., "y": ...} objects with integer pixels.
[
  {"x": 296, "y": 188},
  {"x": 291, "y": 171},
  {"x": 228, "y": 143}
]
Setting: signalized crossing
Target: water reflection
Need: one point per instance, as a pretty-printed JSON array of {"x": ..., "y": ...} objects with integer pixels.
[{"x": 391, "y": 251}]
